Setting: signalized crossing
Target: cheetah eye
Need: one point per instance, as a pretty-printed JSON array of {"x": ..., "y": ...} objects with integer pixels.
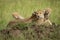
[{"x": 40, "y": 13}]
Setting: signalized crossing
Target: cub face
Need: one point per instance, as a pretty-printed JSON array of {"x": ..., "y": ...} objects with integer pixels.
[
  {"x": 47, "y": 13},
  {"x": 38, "y": 17},
  {"x": 39, "y": 14}
]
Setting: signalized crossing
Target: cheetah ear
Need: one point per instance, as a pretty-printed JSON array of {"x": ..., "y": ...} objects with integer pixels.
[
  {"x": 34, "y": 13},
  {"x": 43, "y": 11}
]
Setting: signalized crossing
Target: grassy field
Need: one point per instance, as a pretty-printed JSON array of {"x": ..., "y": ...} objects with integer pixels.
[{"x": 26, "y": 8}]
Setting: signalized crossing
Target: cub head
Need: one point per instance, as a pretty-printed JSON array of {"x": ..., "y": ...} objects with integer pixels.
[
  {"x": 47, "y": 12},
  {"x": 39, "y": 14}
]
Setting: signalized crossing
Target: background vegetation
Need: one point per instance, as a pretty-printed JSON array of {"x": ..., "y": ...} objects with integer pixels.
[{"x": 26, "y": 8}]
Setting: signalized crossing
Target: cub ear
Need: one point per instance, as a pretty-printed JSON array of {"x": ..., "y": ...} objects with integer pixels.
[
  {"x": 43, "y": 11},
  {"x": 34, "y": 13}
]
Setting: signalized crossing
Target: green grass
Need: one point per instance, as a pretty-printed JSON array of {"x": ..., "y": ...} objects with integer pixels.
[{"x": 26, "y": 8}]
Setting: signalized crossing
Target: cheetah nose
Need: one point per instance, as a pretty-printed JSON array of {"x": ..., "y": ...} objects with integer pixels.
[{"x": 37, "y": 16}]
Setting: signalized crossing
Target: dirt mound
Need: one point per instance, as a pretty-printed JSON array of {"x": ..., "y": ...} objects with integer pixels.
[{"x": 31, "y": 32}]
